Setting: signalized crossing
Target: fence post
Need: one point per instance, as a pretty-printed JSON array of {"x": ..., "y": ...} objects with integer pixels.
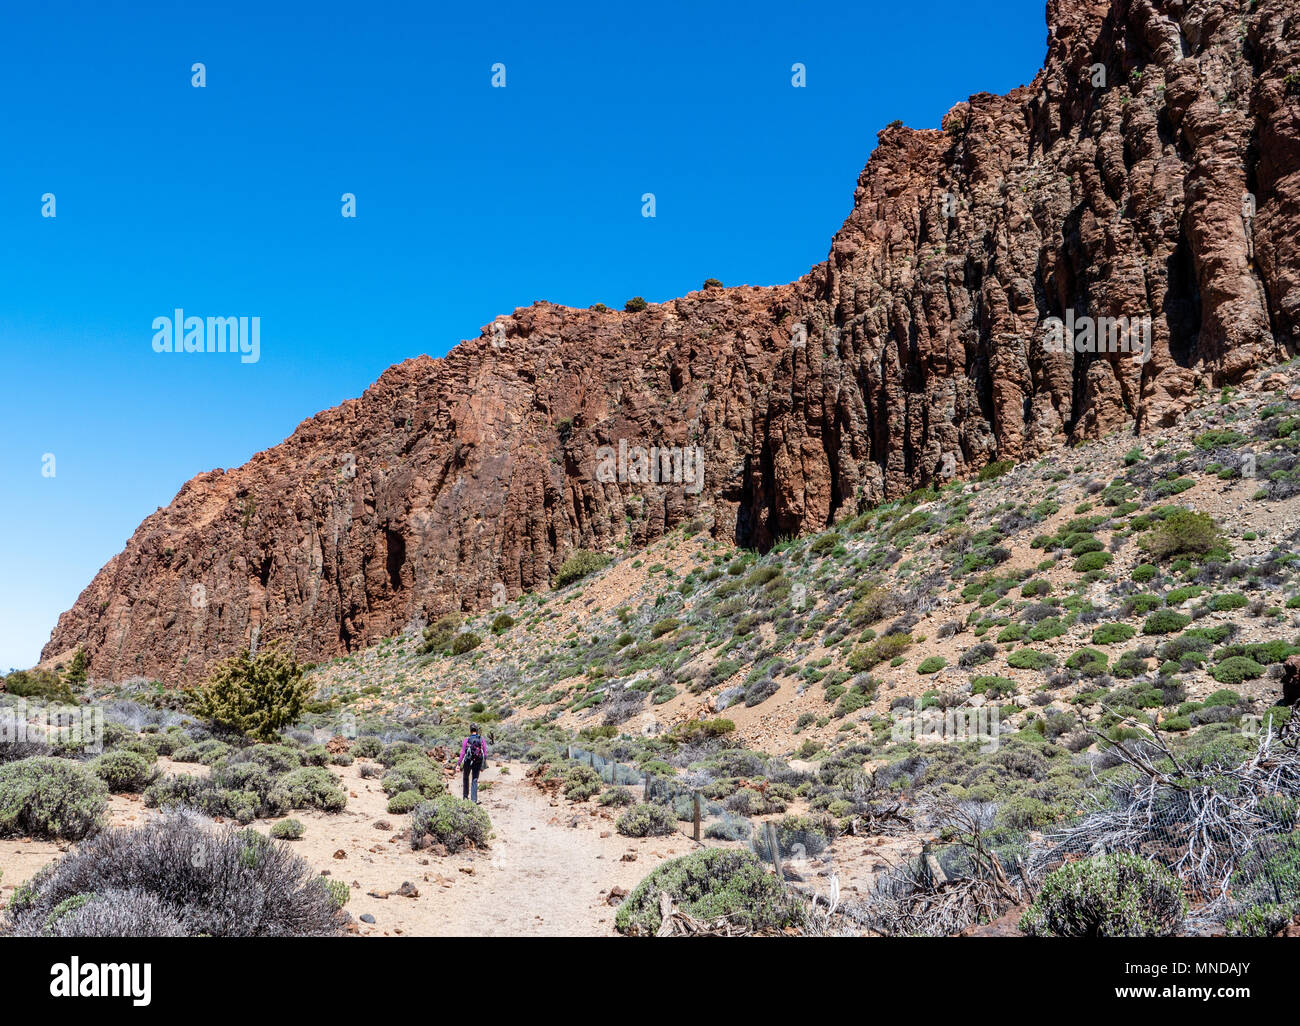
[
  {"x": 647, "y": 785},
  {"x": 697, "y": 816},
  {"x": 570, "y": 753},
  {"x": 776, "y": 850}
]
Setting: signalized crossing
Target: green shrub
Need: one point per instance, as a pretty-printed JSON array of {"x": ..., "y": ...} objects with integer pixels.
[
  {"x": 51, "y": 798},
  {"x": 38, "y": 683},
  {"x": 664, "y": 626},
  {"x": 578, "y": 566},
  {"x": 932, "y": 664},
  {"x": 339, "y": 891},
  {"x": 502, "y": 623},
  {"x": 1030, "y": 659},
  {"x": 453, "y": 822},
  {"x": 465, "y": 641},
  {"x": 288, "y": 830},
  {"x": 1143, "y": 572},
  {"x": 255, "y": 694},
  {"x": 311, "y": 787},
  {"x": 996, "y": 469},
  {"x": 1090, "y": 561},
  {"x": 1165, "y": 621},
  {"x": 1226, "y": 603},
  {"x": 1235, "y": 669},
  {"x": 581, "y": 782},
  {"x": 1118, "y": 895},
  {"x": 646, "y": 820},
  {"x": 635, "y": 305},
  {"x": 404, "y": 801},
  {"x": 1112, "y": 633},
  {"x": 1183, "y": 533},
  {"x": 124, "y": 771},
  {"x": 708, "y": 885},
  {"x": 438, "y": 635}
]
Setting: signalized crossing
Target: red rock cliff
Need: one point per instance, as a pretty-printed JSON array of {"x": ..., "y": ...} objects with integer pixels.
[{"x": 1151, "y": 169}]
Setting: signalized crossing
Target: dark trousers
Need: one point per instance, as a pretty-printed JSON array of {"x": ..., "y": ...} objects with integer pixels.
[{"x": 470, "y": 790}]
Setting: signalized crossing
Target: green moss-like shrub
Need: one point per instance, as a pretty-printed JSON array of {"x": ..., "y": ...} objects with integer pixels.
[
  {"x": 1030, "y": 659},
  {"x": 124, "y": 771},
  {"x": 1112, "y": 633},
  {"x": 1165, "y": 621},
  {"x": 1235, "y": 669},
  {"x": 465, "y": 641},
  {"x": 454, "y": 823},
  {"x": 646, "y": 820},
  {"x": 50, "y": 798},
  {"x": 1091, "y": 561},
  {"x": 311, "y": 787},
  {"x": 578, "y": 566},
  {"x": 288, "y": 830},
  {"x": 1119, "y": 895},
  {"x": 712, "y": 884},
  {"x": 404, "y": 801}
]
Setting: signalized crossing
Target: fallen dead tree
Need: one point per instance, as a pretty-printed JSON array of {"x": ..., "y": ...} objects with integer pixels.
[
  {"x": 1210, "y": 817},
  {"x": 919, "y": 898}
]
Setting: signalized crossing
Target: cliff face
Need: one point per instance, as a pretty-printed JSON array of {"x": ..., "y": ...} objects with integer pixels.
[{"x": 1152, "y": 169}]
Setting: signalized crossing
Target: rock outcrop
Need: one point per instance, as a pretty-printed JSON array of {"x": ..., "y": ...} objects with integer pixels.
[{"x": 1151, "y": 170}]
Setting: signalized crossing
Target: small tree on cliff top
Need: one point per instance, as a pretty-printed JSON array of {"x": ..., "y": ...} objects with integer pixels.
[{"x": 255, "y": 694}]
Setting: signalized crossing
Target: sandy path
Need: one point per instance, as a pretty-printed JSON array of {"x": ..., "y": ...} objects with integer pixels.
[{"x": 548, "y": 872}]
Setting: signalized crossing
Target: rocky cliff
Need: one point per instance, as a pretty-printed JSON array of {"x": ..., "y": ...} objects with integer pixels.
[{"x": 1151, "y": 170}]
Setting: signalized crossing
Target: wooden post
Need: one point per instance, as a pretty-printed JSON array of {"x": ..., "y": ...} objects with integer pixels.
[
  {"x": 647, "y": 785},
  {"x": 697, "y": 816},
  {"x": 776, "y": 850},
  {"x": 570, "y": 753}
]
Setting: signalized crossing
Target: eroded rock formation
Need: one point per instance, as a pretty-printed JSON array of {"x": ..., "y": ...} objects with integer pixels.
[{"x": 1152, "y": 169}]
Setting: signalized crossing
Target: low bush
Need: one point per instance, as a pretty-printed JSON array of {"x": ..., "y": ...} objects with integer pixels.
[
  {"x": 578, "y": 566},
  {"x": 50, "y": 798},
  {"x": 1119, "y": 895},
  {"x": 311, "y": 787},
  {"x": 124, "y": 772},
  {"x": 712, "y": 884},
  {"x": 175, "y": 877},
  {"x": 646, "y": 820},
  {"x": 288, "y": 830},
  {"x": 1165, "y": 621},
  {"x": 452, "y": 822}
]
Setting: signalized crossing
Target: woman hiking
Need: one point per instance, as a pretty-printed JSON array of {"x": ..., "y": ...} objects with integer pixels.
[{"x": 473, "y": 757}]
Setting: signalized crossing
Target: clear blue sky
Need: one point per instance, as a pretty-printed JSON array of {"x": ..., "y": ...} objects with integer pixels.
[{"x": 471, "y": 201}]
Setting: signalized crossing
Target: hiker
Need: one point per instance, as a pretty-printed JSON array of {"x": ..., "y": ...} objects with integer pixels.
[{"x": 473, "y": 757}]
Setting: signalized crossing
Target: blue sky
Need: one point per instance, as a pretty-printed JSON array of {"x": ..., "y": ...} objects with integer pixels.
[{"x": 471, "y": 201}]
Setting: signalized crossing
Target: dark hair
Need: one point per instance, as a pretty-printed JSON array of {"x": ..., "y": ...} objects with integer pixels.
[{"x": 473, "y": 728}]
